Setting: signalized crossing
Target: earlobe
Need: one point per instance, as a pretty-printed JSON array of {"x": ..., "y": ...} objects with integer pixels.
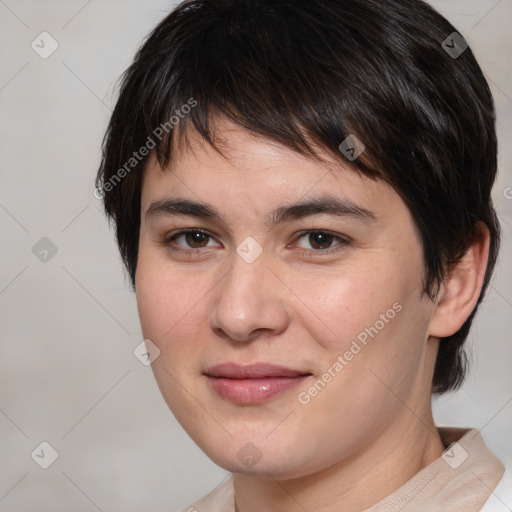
[{"x": 460, "y": 292}]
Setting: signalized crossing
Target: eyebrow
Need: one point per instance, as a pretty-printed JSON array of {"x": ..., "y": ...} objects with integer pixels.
[{"x": 326, "y": 205}]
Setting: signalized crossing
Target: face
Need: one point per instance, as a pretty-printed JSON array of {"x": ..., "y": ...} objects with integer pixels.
[{"x": 284, "y": 295}]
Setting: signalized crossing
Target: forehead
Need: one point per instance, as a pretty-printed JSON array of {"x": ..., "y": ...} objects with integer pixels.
[{"x": 250, "y": 171}]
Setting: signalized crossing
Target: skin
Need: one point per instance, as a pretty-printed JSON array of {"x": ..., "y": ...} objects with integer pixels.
[{"x": 370, "y": 429}]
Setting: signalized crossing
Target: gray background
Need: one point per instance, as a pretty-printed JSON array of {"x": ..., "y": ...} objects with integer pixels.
[{"x": 69, "y": 325}]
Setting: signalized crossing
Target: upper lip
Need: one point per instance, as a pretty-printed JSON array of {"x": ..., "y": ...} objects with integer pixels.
[{"x": 251, "y": 371}]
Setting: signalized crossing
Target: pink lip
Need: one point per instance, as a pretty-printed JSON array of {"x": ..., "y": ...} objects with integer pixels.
[{"x": 253, "y": 383}]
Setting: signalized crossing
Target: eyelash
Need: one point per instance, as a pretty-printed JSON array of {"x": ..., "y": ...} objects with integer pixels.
[{"x": 342, "y": 242}]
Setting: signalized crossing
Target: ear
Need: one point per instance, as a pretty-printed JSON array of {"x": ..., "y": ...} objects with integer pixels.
[{"x": 460, "y": 291}]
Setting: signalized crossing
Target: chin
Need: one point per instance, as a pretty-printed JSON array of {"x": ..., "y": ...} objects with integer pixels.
[{"x": 260, "y": 457}]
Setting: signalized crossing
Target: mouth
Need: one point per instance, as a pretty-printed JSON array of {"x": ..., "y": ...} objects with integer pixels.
[{"x": 254, "y": 383}]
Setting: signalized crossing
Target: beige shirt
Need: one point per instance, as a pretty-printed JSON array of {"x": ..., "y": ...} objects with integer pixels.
[{"x": 462, "y": 479}]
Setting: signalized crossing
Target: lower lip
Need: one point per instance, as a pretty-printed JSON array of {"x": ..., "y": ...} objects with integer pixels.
[{"x": 253, "y": 391}]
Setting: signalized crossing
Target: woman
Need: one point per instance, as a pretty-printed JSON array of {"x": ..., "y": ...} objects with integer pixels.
[{"x": 301, "y": 195}]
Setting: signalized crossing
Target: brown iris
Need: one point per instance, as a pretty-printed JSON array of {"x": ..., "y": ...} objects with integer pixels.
[{"x": 320, "y": 240}]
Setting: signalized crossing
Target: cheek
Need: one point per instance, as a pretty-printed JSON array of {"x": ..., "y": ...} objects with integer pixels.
[
  {"x": 371, "y": 382},
  {"x": 169, "y": 301},
  {"x": 350, "y": 302},
  {"x": 172, "y": 316},
  {"x": 372, "y": 316}
]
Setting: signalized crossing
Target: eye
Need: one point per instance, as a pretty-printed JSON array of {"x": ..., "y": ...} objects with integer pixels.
[
  {"x": 189, "y": 239},
  {"x": 318, "y": 241}
]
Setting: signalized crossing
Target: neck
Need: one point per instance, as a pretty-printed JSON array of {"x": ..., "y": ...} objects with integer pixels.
[{"x": 406, "y": 447}]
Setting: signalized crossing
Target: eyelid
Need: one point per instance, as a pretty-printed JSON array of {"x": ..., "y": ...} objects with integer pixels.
[
  {"x": 167, "y": 239},
  {"x": 339, "y": 236},
  {"x": 343, "y": 240}
]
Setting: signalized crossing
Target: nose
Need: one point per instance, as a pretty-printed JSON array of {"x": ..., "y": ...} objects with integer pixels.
[{"x": 249, "y": 302}]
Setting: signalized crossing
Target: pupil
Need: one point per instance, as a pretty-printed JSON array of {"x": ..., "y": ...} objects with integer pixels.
[{"x": 320, "y": 239}]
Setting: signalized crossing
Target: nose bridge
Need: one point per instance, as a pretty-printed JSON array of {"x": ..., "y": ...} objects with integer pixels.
[
  {"x": 247, "y": 300},
  {"x": 244, "y": 279}
]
